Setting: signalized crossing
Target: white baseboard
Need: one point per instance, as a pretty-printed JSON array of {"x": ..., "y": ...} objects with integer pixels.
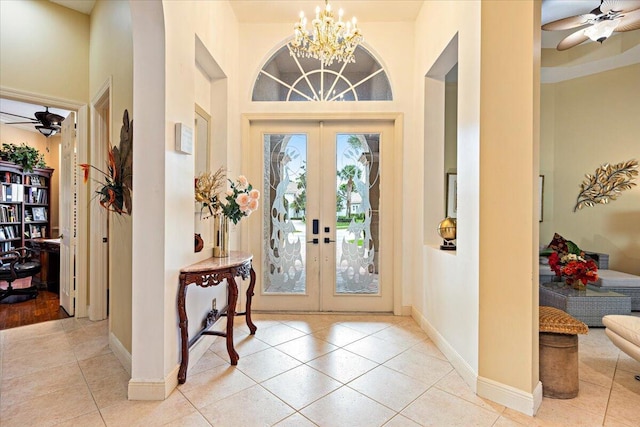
[
  {"x": 199, "y": 348},
  {"x": 120, "y": 352},
  {"x": 527, "y": 403},
  {"x": 460, "y": 365},
  {"x": 160, "y": 390},
  {"x": 153, "y": 390}
]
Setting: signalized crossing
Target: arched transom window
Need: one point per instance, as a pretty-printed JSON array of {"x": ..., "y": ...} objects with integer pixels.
[{"x": 286, "y": 77}]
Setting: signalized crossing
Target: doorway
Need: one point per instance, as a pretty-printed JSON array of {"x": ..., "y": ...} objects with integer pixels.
[
  {"x": 77, "y": 264},
  {"x": 327, "y": 224}
]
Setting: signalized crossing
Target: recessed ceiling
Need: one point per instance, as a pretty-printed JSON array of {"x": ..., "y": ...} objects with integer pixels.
[
  {"x": 269, "y": 11},
  {"x": 289, "y": 10},
  {"x": 82, "y": 6},
  {"x": 553, "y": 10}
]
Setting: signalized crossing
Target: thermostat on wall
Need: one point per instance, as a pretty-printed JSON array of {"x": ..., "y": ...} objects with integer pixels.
[{"x": 184, "y": 138}]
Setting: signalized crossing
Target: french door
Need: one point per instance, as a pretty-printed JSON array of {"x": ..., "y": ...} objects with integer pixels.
[{"x": 325, "y": 237}]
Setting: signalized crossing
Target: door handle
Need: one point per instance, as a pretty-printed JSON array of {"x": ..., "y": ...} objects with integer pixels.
[
  {"x": 315, "y": 241},
  {"x": 328, "y": 240},
  {"x": 316, "y": 226}
]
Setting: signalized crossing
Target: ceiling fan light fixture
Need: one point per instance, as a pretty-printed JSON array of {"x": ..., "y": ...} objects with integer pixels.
[
  {"x": 46, "y": 131},
  {"x": 601, "y": 31}
]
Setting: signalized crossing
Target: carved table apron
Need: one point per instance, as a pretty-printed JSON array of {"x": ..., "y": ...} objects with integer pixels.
[{"x": 211, "y": 272}]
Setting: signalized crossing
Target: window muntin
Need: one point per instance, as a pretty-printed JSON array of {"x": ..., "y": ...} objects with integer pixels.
[{"x": 285, "y": 77}]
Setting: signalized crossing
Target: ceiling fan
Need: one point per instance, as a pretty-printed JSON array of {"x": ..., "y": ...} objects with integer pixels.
[
  {"x": 599, "y": 24},
  {"x": 46, "y": 122}
]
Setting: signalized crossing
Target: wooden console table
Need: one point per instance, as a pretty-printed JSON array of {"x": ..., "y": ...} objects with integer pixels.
[{"x": 211, "y": 272}]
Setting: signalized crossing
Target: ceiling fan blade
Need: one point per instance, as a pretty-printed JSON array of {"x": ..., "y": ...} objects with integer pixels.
[
  {"x": 619, "y": 5},
  {"x": 568, "y": 23},
  {"x": 572, "y": 40},
  {"x": 22, "y": 117},
  {"x": 629, "y": 22},
  {"x": 19, "y": 123}
]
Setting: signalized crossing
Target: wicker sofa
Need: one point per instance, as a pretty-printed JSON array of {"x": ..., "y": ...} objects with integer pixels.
[{"x": 612, "y": 280}]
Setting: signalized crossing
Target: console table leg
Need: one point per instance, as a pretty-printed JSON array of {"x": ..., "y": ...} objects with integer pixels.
[
  {"x": 252, "y": 283},
  {"x": 232, "y": 295},
  {"x": 184, "y": 334}
]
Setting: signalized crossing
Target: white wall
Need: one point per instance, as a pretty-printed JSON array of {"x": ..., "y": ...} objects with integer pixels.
[
  {"x": 111, "y": 52},
  {"x": 164, "y": 75},
  {"x": 446, "y": 299},
  {"x": 486, "y": 325}
]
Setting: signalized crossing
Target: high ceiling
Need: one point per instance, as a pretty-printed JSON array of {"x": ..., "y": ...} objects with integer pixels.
[
  {"x": 281, "y": 11},
  {"x": 366, "y": 11}
]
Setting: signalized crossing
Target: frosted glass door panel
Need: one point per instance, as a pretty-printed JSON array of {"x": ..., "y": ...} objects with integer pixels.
[
  {"x": 284, "y": 222},
  {"x": 357, "y": 213}
]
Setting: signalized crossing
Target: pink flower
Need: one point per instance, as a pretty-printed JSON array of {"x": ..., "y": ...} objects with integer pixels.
[
  {"x": 243, "y": 183},
  {"x": 253, "y": 204},
  {"x": 254, "y": 194},
  {"x": 242, "y": 199}
]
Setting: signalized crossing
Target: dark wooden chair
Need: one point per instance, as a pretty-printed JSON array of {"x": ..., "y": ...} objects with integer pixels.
[{"x": 17, "y": 264}]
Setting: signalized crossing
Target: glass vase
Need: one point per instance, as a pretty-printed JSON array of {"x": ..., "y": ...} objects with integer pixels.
[
  {"x": 575, "y": 284},
  {"x": 220, "y": 236}
]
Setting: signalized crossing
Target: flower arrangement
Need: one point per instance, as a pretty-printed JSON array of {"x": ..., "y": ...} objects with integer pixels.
[
  {"x": 115, "y": 191},
  {"x": 241, "y": 199},
  {"x": 577, "y": 269}
]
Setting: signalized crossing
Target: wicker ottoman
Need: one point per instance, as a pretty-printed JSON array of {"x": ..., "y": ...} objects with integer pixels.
[{"x": 559, "y": 353}]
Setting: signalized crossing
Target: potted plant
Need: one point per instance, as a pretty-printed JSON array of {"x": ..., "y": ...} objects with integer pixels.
[{"x": 23, "y": 155}]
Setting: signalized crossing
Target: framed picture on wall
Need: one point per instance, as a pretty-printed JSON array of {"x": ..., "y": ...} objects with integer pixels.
[
  {"x": 452, "y": 195},
  {"x": 540, "y": 195}
]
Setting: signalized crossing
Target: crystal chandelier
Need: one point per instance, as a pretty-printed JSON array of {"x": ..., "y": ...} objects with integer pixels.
[{"x": 328, "y": 40}]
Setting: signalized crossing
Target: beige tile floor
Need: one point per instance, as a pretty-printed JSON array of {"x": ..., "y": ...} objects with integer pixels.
[{"x": 299, "y": 370}]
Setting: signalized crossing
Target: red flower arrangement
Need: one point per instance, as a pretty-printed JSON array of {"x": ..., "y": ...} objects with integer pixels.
[{"x": 577, "y": 270}]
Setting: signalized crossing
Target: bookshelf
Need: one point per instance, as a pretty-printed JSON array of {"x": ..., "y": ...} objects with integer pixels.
[{"x": 24, "y": 205}]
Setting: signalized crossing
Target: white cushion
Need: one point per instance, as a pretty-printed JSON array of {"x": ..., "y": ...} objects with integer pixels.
[
  {"x": 618, "y": 279},
  {"x": 631, "y": 349},
  {"x": 628, "y": 327}
]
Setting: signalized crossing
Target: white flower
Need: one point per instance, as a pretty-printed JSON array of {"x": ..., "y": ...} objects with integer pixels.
[{"x": 243, "y": 183}]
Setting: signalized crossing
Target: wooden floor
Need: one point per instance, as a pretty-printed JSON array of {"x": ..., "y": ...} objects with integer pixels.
[{"x": 46, "y": 306}]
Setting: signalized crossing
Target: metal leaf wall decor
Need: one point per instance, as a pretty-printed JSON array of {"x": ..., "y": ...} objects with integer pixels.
[{"x": 607, "y": 183}]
